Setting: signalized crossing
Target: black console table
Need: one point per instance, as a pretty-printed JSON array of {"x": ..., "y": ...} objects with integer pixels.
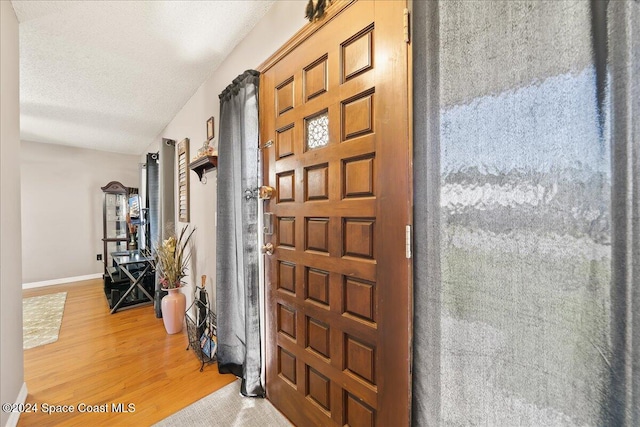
[{"x": 136, "y": 267}]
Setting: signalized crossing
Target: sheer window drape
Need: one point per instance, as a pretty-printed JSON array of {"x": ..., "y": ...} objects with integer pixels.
[
  {"x": 623, "y": 109},
  {"x": 527, "y": 207},
  {"x": 237, "y": 290}
]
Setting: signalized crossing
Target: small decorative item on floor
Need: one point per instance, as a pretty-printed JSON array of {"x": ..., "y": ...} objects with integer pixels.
[
  {"x": 202, "y": 330},
  {"x": 171, "y": 262}
]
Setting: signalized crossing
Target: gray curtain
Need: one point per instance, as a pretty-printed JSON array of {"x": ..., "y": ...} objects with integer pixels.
[
  {"x": 527, "y": 206},
  {"x": 152, "y": 233},
  {"x": 162, "y": 205},
  {"x": 237, "y": 290},
  {"x": 153, "y": 200},
  {"x": 167, "y": 188},
  {"x": 623, "y": 110},
  {"x": 426, "y": 217},
  {"x": 142, "y": 232}
]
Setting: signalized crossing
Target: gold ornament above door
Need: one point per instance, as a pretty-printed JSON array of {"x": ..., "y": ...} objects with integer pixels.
[{"x": 316, "y": 9}]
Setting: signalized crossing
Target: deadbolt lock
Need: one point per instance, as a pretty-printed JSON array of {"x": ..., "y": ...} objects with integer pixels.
[
  {"x": 266, "y": 192},
  {"x": 267, "y": 223}
]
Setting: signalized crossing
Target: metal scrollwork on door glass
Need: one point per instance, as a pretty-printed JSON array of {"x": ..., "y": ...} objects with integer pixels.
[{"x": 317, "y": 130}]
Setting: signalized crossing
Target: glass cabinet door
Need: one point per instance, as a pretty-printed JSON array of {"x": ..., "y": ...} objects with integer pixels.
[{"x": 115, "y": 216}]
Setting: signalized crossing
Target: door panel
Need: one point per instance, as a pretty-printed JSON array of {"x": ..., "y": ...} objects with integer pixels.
[{"x": 338, "y": 281}]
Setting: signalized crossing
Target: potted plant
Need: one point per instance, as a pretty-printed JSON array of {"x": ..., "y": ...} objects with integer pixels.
[{"x": 171, "y": 260}]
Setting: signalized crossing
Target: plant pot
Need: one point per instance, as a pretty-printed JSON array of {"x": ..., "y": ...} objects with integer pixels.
[{"x": 173, "y": 307}]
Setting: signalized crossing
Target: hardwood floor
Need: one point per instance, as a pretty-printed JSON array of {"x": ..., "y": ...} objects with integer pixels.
[{"x": 103, "y": 358}]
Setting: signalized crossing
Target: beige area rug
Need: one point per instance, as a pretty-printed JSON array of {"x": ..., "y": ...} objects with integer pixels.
[
  {"x": 226, "y": 407},
  {"x": 41, "y": 319}
]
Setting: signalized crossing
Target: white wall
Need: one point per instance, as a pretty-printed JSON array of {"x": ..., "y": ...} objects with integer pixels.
[
  {"x": 62, "y": 207},
  {"x": 281, "y": 22},
  {"x": 11, "y": 364}
]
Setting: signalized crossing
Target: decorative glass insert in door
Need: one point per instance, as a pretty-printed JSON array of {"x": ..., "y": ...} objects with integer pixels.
[{"x": 317, "y": 131}]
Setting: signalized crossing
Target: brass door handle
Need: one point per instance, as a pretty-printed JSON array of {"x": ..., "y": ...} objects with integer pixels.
[
  {"x": 265, "y": 192},
  {"x": 267, "y": 249}
]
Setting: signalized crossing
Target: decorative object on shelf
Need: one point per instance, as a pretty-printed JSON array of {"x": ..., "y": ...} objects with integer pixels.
[
  {"x": 206, "y": 150},
  {"x": 183, "y": 181},
  {"x": 202, "y": 165},
  {"x": 210, "y": 129},
  {"x": 133, "y": 237},
  {"x": 316, "y": 9},
  {"x": 134, "y": 220},
  {"x": 171, "y": 260},
  {"x": 133, "y": 233},
  {"x": 202, "y": 330}
]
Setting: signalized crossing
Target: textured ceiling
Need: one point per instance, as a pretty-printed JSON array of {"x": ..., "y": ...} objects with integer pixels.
[{"x": 110, "y": 75}]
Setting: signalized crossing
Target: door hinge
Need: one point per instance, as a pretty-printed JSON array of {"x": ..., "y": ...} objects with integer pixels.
[
  {"x": 405, "y": 24},
  {"x": 407, "y": 239}
]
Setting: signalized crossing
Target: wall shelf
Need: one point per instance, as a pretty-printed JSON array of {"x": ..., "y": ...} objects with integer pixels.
[{"x": 203, "y": 164}]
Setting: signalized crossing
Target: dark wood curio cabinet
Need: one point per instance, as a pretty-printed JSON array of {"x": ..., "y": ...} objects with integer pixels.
[{"x": 116, "y": 237}]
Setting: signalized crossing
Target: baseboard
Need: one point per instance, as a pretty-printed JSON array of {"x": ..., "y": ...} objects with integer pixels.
[
  {"x": 20, "y": 400},
  {"x": 61, "y": 281}
]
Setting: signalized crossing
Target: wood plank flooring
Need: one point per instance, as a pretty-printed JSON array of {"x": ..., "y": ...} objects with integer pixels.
[{"x": 103, "y": 358}]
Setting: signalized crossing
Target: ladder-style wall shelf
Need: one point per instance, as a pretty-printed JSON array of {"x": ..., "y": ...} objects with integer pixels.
[{"x": 203, "y": 164}]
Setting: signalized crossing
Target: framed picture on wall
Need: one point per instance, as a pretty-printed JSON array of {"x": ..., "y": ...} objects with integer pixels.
[{"x": 210, "y": 133}]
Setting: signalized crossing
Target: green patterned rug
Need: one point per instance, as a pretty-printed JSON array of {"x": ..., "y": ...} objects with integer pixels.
[{"x": 41, "y": 319}]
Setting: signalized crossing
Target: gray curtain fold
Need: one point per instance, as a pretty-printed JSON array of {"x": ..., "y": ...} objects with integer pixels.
[
  {"x": 426, "y": 216},
  {"x": 154, "y": 218},
  {"x": 152, "y": 200},
  {"x": 237, "y": 289},
  {"x": 164, "y": 222},
  {"x": 527, "y": 213},
  {"x": 623, "y": 59},
  {"x": 142, "y": 231}
]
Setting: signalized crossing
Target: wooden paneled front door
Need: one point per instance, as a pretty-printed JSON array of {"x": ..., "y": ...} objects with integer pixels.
[{"x": 338, "y": 281}]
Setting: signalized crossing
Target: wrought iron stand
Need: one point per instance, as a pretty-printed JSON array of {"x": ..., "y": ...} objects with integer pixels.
[{"x": 202, "y": 331}]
